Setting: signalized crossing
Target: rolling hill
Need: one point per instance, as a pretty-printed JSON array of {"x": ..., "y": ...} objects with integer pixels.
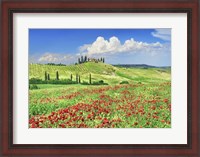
[{"x": 101, "y": 71}]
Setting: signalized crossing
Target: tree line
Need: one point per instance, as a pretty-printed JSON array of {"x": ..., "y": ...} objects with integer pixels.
[
  {"x": 57, "y": 80},
  {"x": 60, "y": 64},
  {"x": 84, "y": 59},
  {"x": 78, "y": 77}
]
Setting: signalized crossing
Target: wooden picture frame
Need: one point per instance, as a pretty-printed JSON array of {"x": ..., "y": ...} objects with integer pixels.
[{"x": 8, "y": 8}]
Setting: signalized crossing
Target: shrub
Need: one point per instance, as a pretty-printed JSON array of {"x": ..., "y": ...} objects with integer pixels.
[
  {"x": 64, "y": 81},
  {"x": 96, "y": 83},
  {"x": 85, "y": 83},
  {"x": 101, "y": 82},
  {"x": 36, "y": 81},
  {"x": 124, "y": 82},
  {"x": 40, "y": 81},
  {"x": 60, "y": 64},
  {"x": 31, "y": 87}
]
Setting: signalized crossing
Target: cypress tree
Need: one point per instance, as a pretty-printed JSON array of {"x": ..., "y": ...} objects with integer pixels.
[
  {"x": 48, "y": 77},
  {"x": 45, "y": 76},
  {"x": 81, "y": 59},
  {"x": 79, "y": 79},
  {"x": 76, "y": 78},
  {"x": 57, "y": 75},
  {"x": 85, "y": 59},
  {"x": 71, "y": 77},
  {"x": 90, "y": 79}
]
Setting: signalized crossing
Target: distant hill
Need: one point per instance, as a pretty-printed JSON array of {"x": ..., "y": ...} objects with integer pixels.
[
  {"x": 139, "y": 66},
  {"x": 101, "y": 71}
]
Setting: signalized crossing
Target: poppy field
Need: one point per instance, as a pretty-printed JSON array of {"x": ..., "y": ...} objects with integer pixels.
[
  {"x": 134, "y": 105},
  {"x": 99, "y": 77}
]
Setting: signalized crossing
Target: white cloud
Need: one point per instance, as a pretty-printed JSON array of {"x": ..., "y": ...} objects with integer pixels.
[
  {"x": 48, "y": 57},
  {"x": 55, "y": 58},
  {"x": 113, "y": 46},
  {"x": 162, "y": 33}
]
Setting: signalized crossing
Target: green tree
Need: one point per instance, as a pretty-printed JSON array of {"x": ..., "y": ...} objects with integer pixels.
[
  {"x": 48, "y": 77},
  {"x": 79, "y": 79},
  {"x": 76, "y": 78},
  {"x": 90, "y": 79},
  {"x": 85, "y": 60},
  {"x": 57, "y": 75},
  {"x": 71, "y": 77},
  {"x": 45, "y": 76}
]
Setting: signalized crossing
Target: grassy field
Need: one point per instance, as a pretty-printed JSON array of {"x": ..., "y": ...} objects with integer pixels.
[
  {"x": 100, "y": 71},
  {"x": 144, "y": 102}
]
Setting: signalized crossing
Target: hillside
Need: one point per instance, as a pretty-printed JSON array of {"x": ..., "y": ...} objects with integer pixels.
[
  {"x": 101, "y": 71},
  {"x": 134, "y": 66}
]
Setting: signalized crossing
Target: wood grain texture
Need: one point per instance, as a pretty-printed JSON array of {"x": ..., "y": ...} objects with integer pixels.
[{"x": 10, "y": 6}]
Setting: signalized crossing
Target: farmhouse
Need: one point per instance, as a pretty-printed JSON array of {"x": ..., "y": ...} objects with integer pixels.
[{"x": 93, "y": 60}]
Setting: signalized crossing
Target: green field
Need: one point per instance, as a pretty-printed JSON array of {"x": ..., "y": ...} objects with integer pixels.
[
  {"x": 100, "y": 71},
  {"x": 143, "y": 101}
]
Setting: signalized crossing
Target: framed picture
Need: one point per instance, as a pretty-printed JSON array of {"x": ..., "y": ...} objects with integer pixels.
[{"x": 92, "y": 78}]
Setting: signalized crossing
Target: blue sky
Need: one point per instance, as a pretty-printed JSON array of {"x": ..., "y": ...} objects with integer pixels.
[{"x": 118, "y": 46}]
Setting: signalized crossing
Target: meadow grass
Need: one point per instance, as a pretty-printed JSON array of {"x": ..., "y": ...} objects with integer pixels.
[
  {"x": 100, "y": 71},
  {"x": 144, "y": 102},
  {"x": 116, "y": 100}
]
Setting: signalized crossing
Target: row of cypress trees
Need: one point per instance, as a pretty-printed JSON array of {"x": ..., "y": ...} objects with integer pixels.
[
  {"x": 84, "y": 59},
  {"x": 47, "y": 76},
  {"x": 78, "y": 77}
]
